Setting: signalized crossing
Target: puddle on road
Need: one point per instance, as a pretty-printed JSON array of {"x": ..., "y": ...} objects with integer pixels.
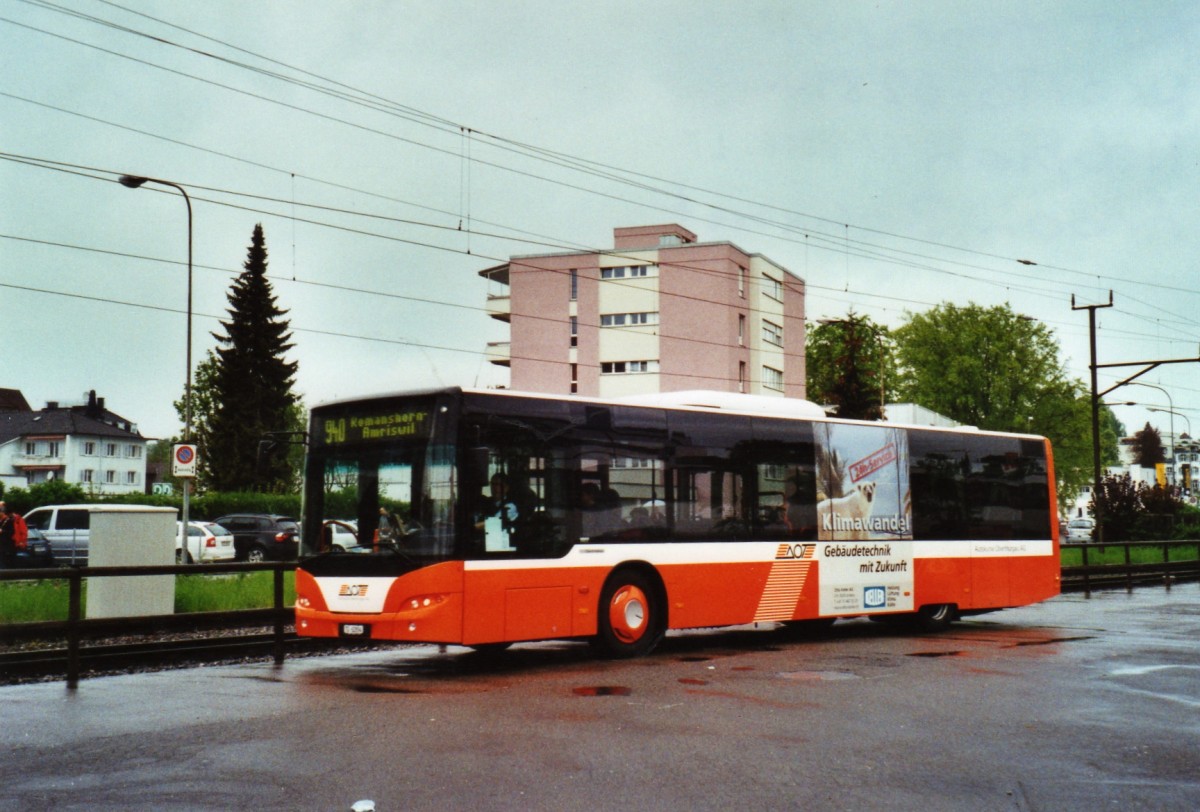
[
  {"x": 383, "y": 689},
  {"x": 824, "y": 676},
  {"x": 937, "y": 654},
  {"x": 1049, "y": 641},
  {"x": 602, "y": 690}
]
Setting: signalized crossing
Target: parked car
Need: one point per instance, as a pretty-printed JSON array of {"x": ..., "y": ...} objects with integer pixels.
[
  {"x": 208, "y": 542},
  {"x": 342, "y": 534},
  {"x": 263, "y": 536},
  {"x": 65, "y": 528},
  {"x": 1081, "y": 529},
  {"x": 36, "y": 554}
]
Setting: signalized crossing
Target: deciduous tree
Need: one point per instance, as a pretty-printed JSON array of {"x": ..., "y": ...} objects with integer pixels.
[{"x": 993, "y": 368}]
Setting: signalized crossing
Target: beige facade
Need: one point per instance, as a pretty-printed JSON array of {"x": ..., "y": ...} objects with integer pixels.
[{"x": 660, "y": 312}]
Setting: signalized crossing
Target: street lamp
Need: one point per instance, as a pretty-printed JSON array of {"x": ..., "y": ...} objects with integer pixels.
[
  {"x": 134, "y": 182},
  {"x": 1171, "y": 404},
  {"x": 1172, "y": 412}
]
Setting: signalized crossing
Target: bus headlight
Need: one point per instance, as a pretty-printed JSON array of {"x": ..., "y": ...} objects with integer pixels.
[{"x": 425, "y": 601}]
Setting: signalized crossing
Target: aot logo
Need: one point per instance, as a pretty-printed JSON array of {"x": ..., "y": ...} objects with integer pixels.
[
  {"x": 352, "y": 591},
  {"x": 874, "y": 597},
  {"x": 789, "y": 552}
]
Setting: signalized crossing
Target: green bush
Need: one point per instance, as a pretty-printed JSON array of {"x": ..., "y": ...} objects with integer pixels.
[{"x": 206, "y": 506}]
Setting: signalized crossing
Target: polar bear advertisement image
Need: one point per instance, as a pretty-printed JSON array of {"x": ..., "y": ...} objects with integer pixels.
[
  {"x": 862, "y": 474},
  {"x": 864, "y": 519}
]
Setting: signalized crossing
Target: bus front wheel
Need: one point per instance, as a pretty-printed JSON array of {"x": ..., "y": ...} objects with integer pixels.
[{"x": 632, "y": 619}]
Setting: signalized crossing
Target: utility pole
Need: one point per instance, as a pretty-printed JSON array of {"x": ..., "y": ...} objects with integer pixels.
[
  {"x": 1096, "y": 500},
  {"x": 1147, "y": 366}
]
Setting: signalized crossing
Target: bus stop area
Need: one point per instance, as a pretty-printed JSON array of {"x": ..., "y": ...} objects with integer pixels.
[{"x": 1078, "y": 703}]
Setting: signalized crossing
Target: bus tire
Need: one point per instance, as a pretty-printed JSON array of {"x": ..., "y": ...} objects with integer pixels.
[
  {"x": 632, "y": 616},
  {"x": 489, "y": 649},
  {"x": 812, "y": 627},
  {"x": 936, "y": 617}
]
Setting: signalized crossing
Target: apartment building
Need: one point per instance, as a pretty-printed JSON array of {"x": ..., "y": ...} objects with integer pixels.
[{"x": 660, "y": 312}]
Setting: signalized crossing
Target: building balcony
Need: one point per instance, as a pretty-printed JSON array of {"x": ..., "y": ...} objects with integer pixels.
[
  {"x": 499, "y": 306},
  {"x": 37, "y": 461},
  {"x": 500, "y": 353}
]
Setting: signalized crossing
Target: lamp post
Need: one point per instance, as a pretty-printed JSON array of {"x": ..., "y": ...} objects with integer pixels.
[
  {"x": 1172, "y": 412},
  {"x": 1177, "y": 414},
  {"x": 134, "y": 182},
  {"x": 1171, "y": 404}
]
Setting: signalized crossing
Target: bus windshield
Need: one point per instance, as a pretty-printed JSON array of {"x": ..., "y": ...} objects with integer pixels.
[{"x": 394, "y": 497}]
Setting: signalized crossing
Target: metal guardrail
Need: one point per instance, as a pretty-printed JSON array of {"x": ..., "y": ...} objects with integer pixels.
[
  {"x": 1127, "y": 572},
  {"x": 76, "y": 627}
]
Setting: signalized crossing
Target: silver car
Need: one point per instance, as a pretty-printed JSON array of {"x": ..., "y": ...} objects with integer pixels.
[{"x": 1081, "y": 529}]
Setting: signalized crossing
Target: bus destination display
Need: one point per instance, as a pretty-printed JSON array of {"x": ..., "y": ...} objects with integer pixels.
[{"x": 378, "y": 427}]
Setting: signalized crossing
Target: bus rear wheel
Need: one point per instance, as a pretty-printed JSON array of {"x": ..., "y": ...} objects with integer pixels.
[
  {"x": 632, "y": 619},
  {"x": 935, "y": 617}
]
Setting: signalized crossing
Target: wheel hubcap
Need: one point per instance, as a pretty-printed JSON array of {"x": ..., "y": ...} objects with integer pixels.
[{"x": 627, "y": 614}]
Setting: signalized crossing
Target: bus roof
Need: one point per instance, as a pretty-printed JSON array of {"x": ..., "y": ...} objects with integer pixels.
[{"x": 686, "y": 400}]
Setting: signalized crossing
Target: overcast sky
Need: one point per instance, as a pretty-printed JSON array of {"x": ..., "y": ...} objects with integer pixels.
[{"x": 893, "y": 155}]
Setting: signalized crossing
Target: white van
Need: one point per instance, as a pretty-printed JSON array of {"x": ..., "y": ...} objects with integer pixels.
[{"x": 67, "y": 528}]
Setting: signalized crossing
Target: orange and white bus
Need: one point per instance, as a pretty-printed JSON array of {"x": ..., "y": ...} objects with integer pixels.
[{"x": 485, "y": 518}]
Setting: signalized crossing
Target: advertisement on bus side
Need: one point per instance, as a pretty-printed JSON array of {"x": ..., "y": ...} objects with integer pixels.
[{"x": 864, "y": 519}]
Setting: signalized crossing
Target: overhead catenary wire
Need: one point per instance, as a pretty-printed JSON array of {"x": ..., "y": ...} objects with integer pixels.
[
  {"x": 451, "y": 124},
  {"x": 428, "y": 119},
  {"x": 91, "y": 172},
  {"x": 812, "y": 286}
]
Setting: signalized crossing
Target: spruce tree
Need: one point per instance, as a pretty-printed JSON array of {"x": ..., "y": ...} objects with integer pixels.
[
  {"x": 253, "y": 384},
  {"x": 1148, "y": 448}
]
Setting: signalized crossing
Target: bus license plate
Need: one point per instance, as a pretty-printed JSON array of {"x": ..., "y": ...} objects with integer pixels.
[{"x": 353, "y": 629}]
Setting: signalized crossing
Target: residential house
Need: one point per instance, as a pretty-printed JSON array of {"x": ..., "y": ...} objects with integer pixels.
[{"x": 85, "y": 445}]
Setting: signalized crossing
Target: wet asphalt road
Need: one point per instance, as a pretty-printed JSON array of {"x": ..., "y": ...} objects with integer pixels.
[{"x": 1075, "y": 704}]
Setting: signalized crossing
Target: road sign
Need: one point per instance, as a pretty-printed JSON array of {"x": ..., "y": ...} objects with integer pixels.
[{"x": 183, "y": 460}]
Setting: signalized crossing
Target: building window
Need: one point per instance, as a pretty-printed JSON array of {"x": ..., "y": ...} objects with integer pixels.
[
  {"x": 87, "y": 475},
  {"x": 772, "y": 333},
  {"x": 131, "y": 477},
  {"x": 772, "y": 378},
  {"x": 741, "y": 282},
  {"x": 574, "y": 284},
  {"x": 110, "y": 476},
  {"x": 574, "y": 378},
  {"x": 741, "y": 330},
  {"x": 133, "y": 451},
  {"x": 110, "y": 449},
  {"x": 624, "y": 319},
  {"x": 630, "y": 271},
  {"x": 574, "y": 331},
  {"x": 773, "y": 288},
  {"x": 742, "y": 377},
  {"x": 55, "y": 448},
  {"x": 89, "y": 450},
  {"x": 31, "y": 449},
  {"x": 627, "y": 367}
]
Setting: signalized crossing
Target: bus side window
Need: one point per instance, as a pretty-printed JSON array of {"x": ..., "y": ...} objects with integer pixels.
[{"x": 785, "y": 493}]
